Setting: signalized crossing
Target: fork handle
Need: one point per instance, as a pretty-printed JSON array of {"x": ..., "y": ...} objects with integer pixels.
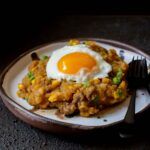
[
  {"x": 127, "y": 130},
  {"x": 129, "y": 117}
]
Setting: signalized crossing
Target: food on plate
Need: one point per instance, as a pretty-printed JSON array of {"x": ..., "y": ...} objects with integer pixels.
[{"x": 80, "y": 78}]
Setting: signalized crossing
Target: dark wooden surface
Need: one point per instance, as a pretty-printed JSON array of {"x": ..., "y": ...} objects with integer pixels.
[{"x": 23, "y": 34}]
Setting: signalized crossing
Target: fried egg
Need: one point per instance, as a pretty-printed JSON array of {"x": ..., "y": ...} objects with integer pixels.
[{"x": 77, "y": 63}]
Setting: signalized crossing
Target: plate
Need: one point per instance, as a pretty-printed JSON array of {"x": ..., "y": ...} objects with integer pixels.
[{"x": 46, "y": 119}]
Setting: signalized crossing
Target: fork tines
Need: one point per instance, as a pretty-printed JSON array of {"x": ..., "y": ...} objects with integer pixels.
[{"x": 137, "y": 74}]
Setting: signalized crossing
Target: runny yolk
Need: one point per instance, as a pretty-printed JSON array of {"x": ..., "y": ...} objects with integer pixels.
[{"x": 73, "y": 62}]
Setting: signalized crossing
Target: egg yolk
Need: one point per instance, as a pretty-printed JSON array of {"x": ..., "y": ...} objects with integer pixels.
[{"x": 73, "y": 62}]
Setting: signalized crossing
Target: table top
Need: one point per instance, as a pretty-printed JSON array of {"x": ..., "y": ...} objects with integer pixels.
[{"x": 134, "y": 30}]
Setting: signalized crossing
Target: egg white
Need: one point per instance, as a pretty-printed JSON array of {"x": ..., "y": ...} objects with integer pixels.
[{"x": 52, "y": 70}]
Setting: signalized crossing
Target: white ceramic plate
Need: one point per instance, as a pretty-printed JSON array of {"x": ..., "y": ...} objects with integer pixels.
[{"x": 18, "y": 69}]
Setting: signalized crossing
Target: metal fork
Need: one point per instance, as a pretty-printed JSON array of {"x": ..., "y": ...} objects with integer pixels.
[{"x": 137, "y": 76}]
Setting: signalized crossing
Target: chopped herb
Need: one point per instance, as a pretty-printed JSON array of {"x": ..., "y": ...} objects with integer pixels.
[
  {"x": 118, "y": 77},
  {"x": 95, "y": 101},
  {"x": 119, "y": 92},
  {"x": 31, "y": 76},
  {"x": 45, "y": 57},
  {"x": 119, "y": 73},
  {"x": 116, "y": 80},
  {"x": 86, "y": 84}
]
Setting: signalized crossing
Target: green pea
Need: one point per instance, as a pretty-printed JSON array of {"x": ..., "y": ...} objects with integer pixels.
[{"x": 45, "y": 57}]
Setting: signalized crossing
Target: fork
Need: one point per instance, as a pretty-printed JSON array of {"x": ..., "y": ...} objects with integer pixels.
[{"x": 137, "y": 76}]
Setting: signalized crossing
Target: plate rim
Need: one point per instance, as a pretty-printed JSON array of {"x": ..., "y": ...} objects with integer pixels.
[{"x": 40, "y": 118}]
